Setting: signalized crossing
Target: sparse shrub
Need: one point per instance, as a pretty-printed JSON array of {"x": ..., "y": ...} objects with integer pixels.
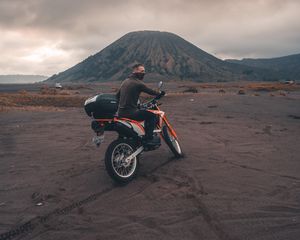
[
  {"x": 64, "y": 93},
  {"x": 45, "y": 90},
  {"x": 241, "y": 92},
  {"x": 23, "y": 92},
  {"x": 6, "y": 101},
  {"x": 271, "y": 86},
  {"x": 191, "y": 89},
  {"x": 282, "y": 93}
]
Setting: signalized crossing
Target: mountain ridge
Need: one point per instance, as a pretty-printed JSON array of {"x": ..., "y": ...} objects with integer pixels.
[
  {"x": 286, "y": 67},
  {"x": 22, "y": 78}
]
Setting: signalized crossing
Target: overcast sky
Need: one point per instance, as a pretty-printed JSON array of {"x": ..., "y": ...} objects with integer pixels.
[{"x": 49, "y": 36}]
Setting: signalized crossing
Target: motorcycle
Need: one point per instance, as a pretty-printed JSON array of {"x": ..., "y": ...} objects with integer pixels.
[{"x": 122, "y": 155}]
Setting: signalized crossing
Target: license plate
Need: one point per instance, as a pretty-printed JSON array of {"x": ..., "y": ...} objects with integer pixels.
[{"x": 98, "y": 139}]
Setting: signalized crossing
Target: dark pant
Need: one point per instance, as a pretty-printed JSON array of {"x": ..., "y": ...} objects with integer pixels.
[{"x": 143, "y": 115}]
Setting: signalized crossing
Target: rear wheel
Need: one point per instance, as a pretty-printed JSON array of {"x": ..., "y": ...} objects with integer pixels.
[
  {"x": 172, "y": 142},
  {"x": 117, "y": 167}
]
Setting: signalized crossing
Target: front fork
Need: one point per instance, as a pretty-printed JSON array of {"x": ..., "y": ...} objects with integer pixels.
[
  {"x": 172, "y": 131},
  {"x": 166, "y": 122}
]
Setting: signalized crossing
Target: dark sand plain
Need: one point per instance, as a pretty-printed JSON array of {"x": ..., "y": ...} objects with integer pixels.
[{"x": 239, "y": 178}]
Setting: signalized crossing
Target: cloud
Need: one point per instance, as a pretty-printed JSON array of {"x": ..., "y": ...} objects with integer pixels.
[{"x": 48, "y": 36}]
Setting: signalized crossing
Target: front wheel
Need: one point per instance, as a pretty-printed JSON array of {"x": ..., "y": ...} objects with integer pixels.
[
  {"x": 117, "y": 167},
  {"x": 172, "y": 142}
]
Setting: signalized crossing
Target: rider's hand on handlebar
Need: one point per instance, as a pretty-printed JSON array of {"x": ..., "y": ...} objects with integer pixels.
[{"x": 162, "y": 93}]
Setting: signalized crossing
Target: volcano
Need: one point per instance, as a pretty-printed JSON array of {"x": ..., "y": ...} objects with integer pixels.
[{"x": 165, "y": 55}]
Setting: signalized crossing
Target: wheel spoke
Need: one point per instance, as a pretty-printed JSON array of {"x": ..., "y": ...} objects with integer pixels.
[{"x": 120, "y": 166}]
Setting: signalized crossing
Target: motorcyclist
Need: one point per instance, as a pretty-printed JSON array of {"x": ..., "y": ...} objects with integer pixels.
[{"x": 128, "y": 96}]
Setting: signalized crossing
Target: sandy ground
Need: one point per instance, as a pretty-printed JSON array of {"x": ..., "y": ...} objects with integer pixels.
[{"x": 239, "y": 178}]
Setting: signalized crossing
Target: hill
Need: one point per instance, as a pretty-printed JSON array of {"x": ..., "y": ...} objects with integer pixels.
[{"x": 165, "y": 55}]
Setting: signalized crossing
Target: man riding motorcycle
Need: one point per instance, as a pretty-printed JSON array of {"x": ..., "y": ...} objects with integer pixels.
[
  {"x": 128, "y": 96},
  {"x": 134, "y": 125}
]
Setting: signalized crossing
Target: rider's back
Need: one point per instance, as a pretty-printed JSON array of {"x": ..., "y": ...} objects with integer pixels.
[{"x": 129, "y": 93}]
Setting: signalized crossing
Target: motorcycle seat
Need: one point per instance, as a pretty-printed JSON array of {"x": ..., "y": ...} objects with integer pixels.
[{"x": 129, "y": 119}]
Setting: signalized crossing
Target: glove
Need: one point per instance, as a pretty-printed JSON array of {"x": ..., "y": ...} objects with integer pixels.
[{"x": 162, "y": 93}]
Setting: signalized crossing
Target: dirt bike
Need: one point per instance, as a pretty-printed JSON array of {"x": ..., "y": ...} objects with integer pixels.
[{"x": 122, "y": 155}]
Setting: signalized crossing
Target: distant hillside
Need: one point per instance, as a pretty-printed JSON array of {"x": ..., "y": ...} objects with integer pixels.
[
  {"x": 165, "y": 55},
  {"x": 21, "y": 78},
  {"x": 287, "y": 67}
]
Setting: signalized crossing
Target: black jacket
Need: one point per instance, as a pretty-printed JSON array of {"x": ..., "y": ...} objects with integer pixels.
[{"x": 129, "y": 94}]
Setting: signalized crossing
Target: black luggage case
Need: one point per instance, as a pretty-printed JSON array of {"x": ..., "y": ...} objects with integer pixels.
[{"x": 101, "y": 106}]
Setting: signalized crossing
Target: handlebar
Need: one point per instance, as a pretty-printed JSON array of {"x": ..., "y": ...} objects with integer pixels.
[{"x": 151, "y": 103}]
